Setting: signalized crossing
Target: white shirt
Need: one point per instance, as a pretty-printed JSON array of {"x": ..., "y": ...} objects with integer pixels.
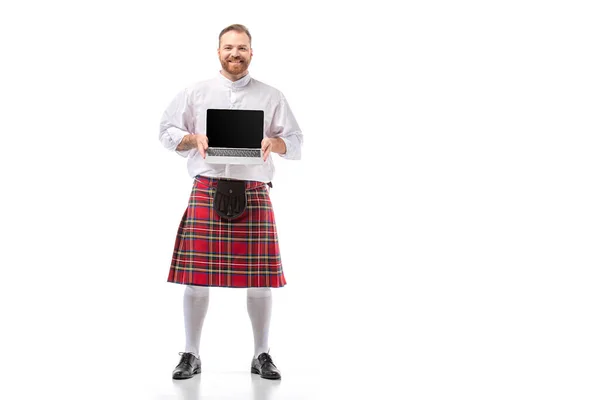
[{"x": 187, "y": 114}]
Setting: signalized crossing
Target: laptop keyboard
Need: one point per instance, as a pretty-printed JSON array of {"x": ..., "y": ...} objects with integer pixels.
[{"x": 219, "y": 152}]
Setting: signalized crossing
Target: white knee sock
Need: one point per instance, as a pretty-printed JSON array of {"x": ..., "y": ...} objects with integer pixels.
[
  {"x": 259, "y": 310},
  {"x": 195, "y": 304}
]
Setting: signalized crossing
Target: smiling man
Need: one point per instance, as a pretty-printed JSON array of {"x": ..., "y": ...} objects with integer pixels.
[
  {"x": 211, "y": 249},
  {"x": 235, "y": 54}
]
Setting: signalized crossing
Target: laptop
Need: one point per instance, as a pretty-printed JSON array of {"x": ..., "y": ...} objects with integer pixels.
[{"x": 234, "y": 136}]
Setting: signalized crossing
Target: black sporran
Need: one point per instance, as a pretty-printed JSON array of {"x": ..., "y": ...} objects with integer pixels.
[{"x": 229, "y": 201}]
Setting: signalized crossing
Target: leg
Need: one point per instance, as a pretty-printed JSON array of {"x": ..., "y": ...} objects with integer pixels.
[
  {"x": 259, "y": 309},
  {"x": 195, "y": 304}
]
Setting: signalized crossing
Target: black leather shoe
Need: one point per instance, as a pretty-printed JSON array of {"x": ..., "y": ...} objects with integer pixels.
[
  {"x": 264, "y": 366},
  {"x": 187, "y": 367}
]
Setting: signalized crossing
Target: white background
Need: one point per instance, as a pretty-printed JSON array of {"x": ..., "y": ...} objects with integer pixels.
[{"x": 439, "y": 237}]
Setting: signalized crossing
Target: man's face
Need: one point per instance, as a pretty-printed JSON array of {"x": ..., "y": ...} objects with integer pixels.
[{"x": 235, "y": 53}]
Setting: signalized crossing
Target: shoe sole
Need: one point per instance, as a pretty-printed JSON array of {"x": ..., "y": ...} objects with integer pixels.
[
  {"x": 188, "y": 377},
  {"x": 257, "y": 372}
]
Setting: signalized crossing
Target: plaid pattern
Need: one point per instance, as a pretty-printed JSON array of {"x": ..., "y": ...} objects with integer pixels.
[{"x": 210, "y": 251}]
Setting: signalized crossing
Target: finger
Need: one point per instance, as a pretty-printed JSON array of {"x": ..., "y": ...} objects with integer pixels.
[
  {"x": 266, "y": 153},
  {"x": 202, "y": 149},
  {"x": 202, "y": 145}
]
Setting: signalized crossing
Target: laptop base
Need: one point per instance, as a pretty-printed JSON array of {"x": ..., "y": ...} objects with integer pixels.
[{"x": 233, "y": 160}]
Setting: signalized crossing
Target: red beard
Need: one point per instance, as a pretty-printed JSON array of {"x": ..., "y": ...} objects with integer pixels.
[{"x": 235, "y": 69}]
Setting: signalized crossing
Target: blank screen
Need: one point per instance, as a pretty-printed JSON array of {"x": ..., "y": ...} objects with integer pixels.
[{"x": 234, "y": 128}]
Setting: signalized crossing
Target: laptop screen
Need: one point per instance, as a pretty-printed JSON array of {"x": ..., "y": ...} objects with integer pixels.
[{"x": 234, "y": 128}]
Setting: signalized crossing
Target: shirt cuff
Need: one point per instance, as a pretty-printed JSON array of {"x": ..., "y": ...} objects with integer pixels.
[
  {"x": 292, "y": 146},
  {"x": 174, "y": 136}
]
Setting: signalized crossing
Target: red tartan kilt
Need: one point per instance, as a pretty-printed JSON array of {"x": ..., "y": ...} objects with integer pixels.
[{"x": 210, "y": 251}]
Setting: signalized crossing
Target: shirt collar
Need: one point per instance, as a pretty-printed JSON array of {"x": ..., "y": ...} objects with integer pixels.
[{"x": 237, "y": 84}]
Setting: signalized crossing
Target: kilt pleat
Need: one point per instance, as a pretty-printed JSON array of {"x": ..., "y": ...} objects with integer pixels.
[{"x": 210, "y": 251}]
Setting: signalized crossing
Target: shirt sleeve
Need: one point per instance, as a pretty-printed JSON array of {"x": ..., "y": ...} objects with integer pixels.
[
  {"x": 284, "y": 126},
  {"x": 176, "y": 122}
]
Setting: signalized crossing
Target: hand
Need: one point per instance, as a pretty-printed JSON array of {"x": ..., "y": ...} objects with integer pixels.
[
  {"x": 266, "y": 146},
  {"x": 201, "y": 143}
]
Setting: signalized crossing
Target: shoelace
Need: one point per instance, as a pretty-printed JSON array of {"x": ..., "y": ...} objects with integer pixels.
[
  {"x": 185, "y": 359},
  {"x": 266, "y": 359}
]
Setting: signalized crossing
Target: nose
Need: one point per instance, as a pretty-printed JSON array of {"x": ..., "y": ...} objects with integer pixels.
[{"x": 234, "y": 52}]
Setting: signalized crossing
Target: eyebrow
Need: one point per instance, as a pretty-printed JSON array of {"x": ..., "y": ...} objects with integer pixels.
[{"x": 231, "y": 45}]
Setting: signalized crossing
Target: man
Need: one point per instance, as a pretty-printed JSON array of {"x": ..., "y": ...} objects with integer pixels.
[{"x": 211, "y": 250}]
